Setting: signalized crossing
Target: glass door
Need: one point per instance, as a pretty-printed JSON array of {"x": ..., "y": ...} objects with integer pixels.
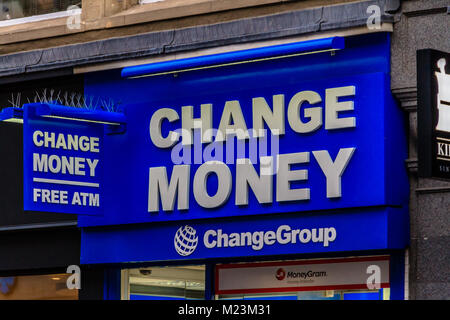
[{"x": 165, "y": 283}]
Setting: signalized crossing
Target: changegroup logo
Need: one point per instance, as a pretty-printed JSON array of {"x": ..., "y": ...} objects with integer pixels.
[
  {"x": 281, "y": 274},
  {"x": 185, "y": 240}
]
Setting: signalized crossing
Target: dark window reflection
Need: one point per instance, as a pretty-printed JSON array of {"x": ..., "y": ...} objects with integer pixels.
[{"x": 37, "y": 287}]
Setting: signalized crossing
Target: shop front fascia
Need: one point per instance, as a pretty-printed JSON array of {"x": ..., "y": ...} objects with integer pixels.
[
  {"x": 281, "y": 153},
  {"x": 215, "y": 217}
]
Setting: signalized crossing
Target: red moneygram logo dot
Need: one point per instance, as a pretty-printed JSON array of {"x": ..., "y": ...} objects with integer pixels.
[{"x": 281, "y": 274}]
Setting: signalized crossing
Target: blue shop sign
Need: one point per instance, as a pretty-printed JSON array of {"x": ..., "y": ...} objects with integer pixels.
[
  {"x": 279, "y": 155},
  {"x": 349, "y": 230},
  {"x": 193, "y": 147},
  {"x": 63, "y": 162}
]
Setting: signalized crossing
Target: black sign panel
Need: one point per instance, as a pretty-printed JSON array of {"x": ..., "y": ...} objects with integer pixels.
[{"x": 433, "y": 113}]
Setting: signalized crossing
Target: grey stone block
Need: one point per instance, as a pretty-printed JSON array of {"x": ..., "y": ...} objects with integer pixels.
[
  {"x": 433, "y": 218},
  {"x": 433, "y": 260}
]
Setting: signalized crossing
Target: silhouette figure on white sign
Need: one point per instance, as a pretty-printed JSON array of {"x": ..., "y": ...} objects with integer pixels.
[{"x": 443, "y": 97}]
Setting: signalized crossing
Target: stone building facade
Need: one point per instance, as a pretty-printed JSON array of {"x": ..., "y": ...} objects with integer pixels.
[{"x": 56, "y": 50}]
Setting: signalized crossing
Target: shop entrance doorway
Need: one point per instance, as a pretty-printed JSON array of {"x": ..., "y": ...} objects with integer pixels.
[
  {"x": 348, "y": 278},
  {"x": 165, "y": 283}
]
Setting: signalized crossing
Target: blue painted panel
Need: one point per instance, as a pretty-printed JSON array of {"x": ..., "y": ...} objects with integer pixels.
[
  {"x": 355, "y": 230},
  {"x": 57, "y": 177},
  {"x": 363, "y": 296},
  {"x": 147, "y": 297}
]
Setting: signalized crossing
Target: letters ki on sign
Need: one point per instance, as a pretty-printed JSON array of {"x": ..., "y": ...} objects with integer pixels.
[{"x": 433, "y": 81}]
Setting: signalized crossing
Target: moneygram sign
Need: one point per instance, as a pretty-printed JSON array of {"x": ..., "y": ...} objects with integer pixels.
[{"x": 300, "y": 275}]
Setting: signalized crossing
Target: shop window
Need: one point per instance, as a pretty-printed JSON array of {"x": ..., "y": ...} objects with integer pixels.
[
  {"x": 381, "y": 294},
  {"x": 349, "y": 278},
  {"x": 16, "y": 9},
  {"x": 166, "y": 283},
  {"x": 37, "y": 287}
]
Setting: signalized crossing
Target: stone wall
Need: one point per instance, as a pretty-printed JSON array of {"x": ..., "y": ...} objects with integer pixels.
[{"x": 419, "y": 25}]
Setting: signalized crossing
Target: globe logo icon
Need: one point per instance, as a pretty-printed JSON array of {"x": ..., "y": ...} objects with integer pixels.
[{"x": 185, "y": 240}]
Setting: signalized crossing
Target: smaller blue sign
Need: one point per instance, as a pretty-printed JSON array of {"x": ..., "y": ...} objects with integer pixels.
[
  {"x": 6, "y": 284},
  {"x": 62, "y": 164}
]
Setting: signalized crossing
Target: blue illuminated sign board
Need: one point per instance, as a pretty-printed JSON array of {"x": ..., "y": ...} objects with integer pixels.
[
  {"x": 62, "y": 164},
  {"x": 246, "y": 237},
  {"x": 336, "y": 141},
  {"x": 266, "y": 144}
]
